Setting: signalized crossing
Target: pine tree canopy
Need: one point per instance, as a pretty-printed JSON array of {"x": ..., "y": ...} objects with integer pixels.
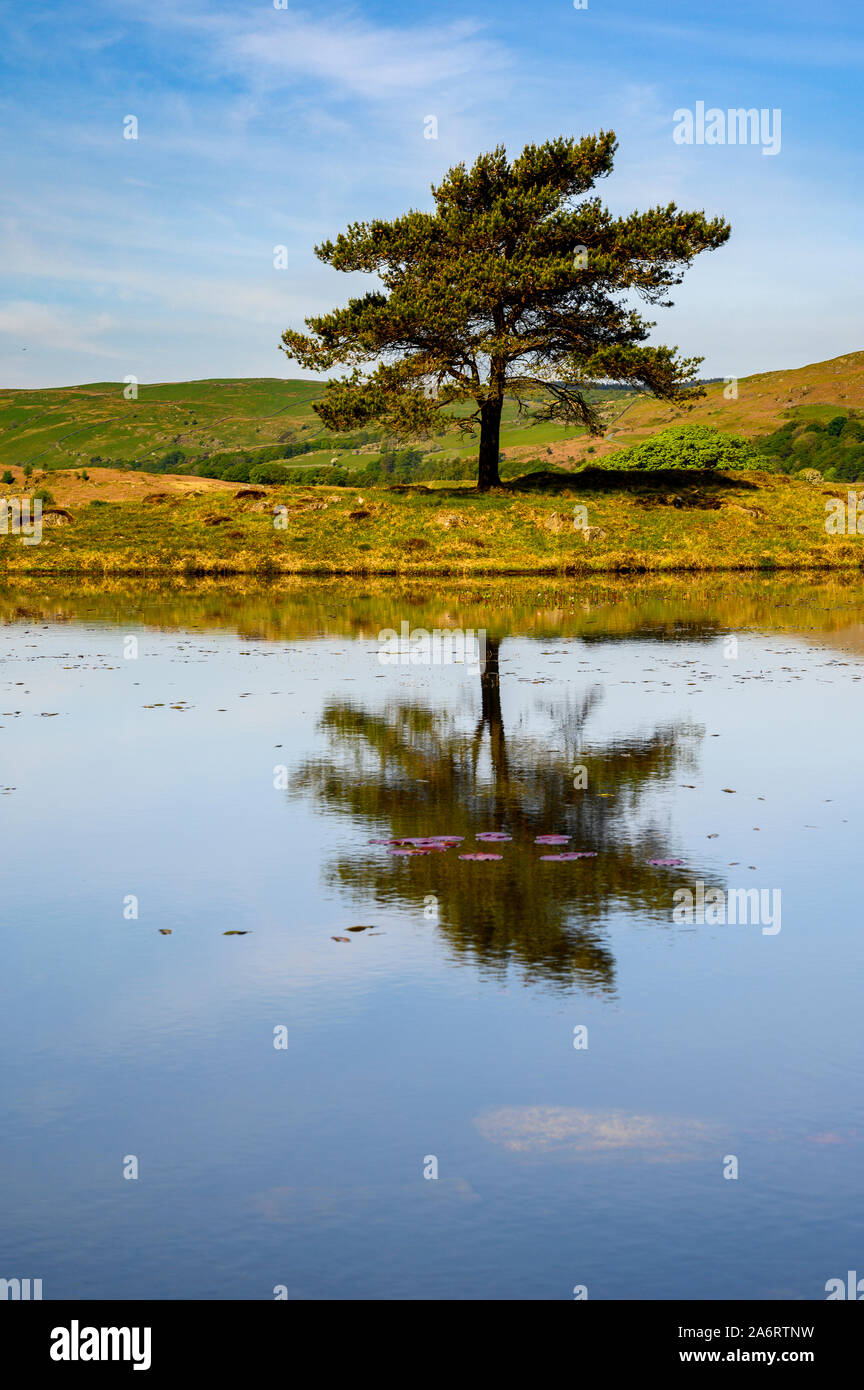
[{"x": 519, "y": 281}]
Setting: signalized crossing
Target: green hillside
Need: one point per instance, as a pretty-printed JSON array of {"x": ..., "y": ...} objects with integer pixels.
[
  {"x": 78, "y": 425},
  {"x": 186, "y": 426}
]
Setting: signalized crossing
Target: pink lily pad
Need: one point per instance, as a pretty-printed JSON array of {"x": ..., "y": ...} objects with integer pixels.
[
  {"x": 481, "y": 856},
  {"x": 413, "y": 849},
  {"x": 493, "y": 836},
  {"x": 664, "y": 863},
  {"x": 551, "y": 839}
]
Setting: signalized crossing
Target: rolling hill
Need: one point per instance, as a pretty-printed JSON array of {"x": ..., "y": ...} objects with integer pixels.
[
  {"x": 763, "y": 403},
  {"x": 94, "y": 425}
]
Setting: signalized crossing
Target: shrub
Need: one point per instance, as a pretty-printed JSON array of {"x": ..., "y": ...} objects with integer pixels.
[
  {"x": 8, "y": 476},
  {"x": 238, "y": 474},
  {"x": 687, "y": 446},
  {"x": 267, "y": 473}
]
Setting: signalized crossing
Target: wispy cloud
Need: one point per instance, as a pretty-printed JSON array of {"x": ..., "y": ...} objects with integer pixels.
[
  {"x": 354, "y": 57},
  {"x": 29, "y": 323}
]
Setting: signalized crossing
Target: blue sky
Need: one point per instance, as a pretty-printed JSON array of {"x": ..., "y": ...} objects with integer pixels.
[{"x": 260, "y": 127}]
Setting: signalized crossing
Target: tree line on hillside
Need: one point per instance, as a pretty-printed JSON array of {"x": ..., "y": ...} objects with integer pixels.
[{"x": 834, "y": 447}]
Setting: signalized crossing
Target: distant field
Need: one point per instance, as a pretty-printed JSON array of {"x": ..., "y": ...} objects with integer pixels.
[
  {"x": 69, "y": 426},
  {"x": 86, "y": 426},
  {"x": 76, "y": 426}
]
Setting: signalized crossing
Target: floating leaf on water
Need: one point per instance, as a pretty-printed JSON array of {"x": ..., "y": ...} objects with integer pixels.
[
  {"x": 235, "y": 933},
  {"x": 493, "y": 836},
  {"x": 358, "y": 928},
  {"x": 571, "y": 854},
  {"x": 551, "y": 839},
  {"x": 164, "y": 931},
  {"x": 664, "y": 863},
  {"x": 481, "y": 856},
  {"x": 340, "y": 938},
  {"x": 730, "y": 790},
  {"x": 414, "y": 849}
]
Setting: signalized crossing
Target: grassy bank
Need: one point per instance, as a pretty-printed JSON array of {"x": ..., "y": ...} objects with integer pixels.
[{"x": 653, "y": 522}]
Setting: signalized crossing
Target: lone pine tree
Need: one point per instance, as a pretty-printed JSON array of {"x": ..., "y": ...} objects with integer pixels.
[{"x": 517, "y": 281}]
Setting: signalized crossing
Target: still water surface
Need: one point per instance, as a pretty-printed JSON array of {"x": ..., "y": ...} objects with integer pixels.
[{"x": 233, "y": 776}]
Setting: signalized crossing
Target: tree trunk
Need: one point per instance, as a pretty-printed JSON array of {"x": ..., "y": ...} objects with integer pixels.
[
  {"x": 490, "y": 430},
  {"x": 491, "y": 716}
]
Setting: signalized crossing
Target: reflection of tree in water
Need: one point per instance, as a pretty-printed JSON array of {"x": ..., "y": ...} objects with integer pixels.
[{"x": 412, "y": 770}]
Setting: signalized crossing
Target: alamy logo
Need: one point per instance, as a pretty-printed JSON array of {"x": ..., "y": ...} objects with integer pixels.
[
  {"x": 441, "y": 647},
  {"x": 76, "y": 1343},
  {"x": 18, "y": 508},
  {"x": 21, "y": 1289},
  {"x": 851, "y": 1288},
  {"x": 715, "y": 907},
  {"x": 737, "y": 126},
  {"x": 845, "y": 518}
]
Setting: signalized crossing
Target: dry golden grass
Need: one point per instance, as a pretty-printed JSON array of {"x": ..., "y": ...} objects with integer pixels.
[{"x": 748, "y": 521}]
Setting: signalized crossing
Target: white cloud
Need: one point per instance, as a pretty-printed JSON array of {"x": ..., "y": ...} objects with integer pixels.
[
  {"x": 360, "y": 59},
  {"x": 32, "y": 323}
]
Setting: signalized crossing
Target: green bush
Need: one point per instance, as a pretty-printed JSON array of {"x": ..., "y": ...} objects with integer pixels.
[
  {"x": 239, "y": 473},
  {"x": 687, "y": 446},
  {"x": 8, "y": 476},
  {"x": 268, "y": 473}
]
